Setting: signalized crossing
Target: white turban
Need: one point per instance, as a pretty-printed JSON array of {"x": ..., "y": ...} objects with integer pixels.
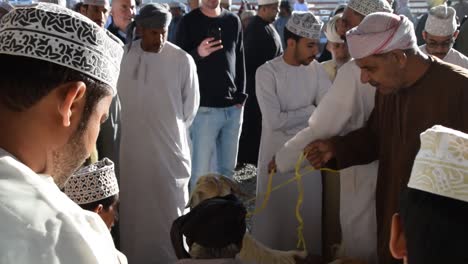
[
  {"x": 441, "y": 21},
  {"x": 380, "y": 33},
  {"x": 330, "y": 30},
  {"x": 366, "y": 7}
]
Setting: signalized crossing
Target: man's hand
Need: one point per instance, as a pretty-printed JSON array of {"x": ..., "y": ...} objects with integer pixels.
[
  {"x": 319, "y": 152},
  {"x": 272, "y": 165},
  {"x": 208, "y": 46}
]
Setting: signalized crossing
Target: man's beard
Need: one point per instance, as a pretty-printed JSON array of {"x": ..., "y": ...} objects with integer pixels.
[{"x": 68, "y": 159}]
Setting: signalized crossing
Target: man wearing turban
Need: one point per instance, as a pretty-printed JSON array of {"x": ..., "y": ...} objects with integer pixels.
[
  {"x": 413, "y": 95},
  {"x": 346, "y": 107},
  {"x": 337, "y": 47},
  {"x": 158, "y": 86}
]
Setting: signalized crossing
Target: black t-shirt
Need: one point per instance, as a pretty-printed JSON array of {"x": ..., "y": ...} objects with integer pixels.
[{"x": 221, "y": 74}]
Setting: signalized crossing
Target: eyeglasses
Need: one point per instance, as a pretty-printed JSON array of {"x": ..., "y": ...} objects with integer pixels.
[{"x": 446, "y": 44}]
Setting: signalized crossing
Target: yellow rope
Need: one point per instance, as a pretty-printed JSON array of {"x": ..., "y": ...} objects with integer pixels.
[
  {"x": 300, "y": 188},
  {"x": 266, "y": 195},
  {"x": 301, "y": 244}
]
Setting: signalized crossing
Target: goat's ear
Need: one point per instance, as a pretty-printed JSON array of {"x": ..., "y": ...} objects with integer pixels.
[
  {"x": 192, "y": 201},
  {"x": 235, "y": 188}
]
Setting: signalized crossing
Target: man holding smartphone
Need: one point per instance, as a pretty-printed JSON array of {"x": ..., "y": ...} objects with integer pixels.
[{"x": 213, "y": 36}]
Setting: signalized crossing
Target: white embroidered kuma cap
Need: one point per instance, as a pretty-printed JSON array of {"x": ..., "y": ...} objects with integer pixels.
[
  {"x": 305, "y": 24},
  {"x": 366, "y": 7},
  {"x": 441, "y": 165},
  {"x": 92, "y": 183},
  {"x": 267, "y": 2},
  {"x": 441, "y": 21},
  {"x": 53, "y": 33}
]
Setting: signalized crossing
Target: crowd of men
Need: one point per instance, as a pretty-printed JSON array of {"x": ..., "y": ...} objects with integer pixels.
[{"x": 123, "y": 108}]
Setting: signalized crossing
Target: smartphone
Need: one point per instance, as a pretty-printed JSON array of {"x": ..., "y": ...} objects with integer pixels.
[{"x": 214, "y": 32}]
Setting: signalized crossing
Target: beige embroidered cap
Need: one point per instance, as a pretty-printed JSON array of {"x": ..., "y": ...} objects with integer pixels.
[{"x": 441, "y": 165}]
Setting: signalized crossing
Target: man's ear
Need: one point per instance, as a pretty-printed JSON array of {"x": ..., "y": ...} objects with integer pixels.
[
  {"x": 83, "y": 10},
  {"x": 72, "y": 94},
  {"x": 291, "y": 42},
  {"x": 397, "y": 239},
  {"x": 424, "y": 35},
  {"x": 455, "y": 35},
  {"x": 400, "y": 56},
  {"x": 98, "y": 209},
  {"x": 328, "y": 46}
]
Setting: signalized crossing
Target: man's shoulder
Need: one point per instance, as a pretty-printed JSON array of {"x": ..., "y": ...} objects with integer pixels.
[
  {"x": 33, "y": 200},
  {"x": 443, "y": 71},
  {"x": 179, "y": 55},
  {"x": 258, "y": 26},
  {"x": 329, "y": 65},
  {"x": 271, "y": 67},
  {"x": 229, "y": 15},
  {"x": 456, "y": 54},
  {"x": 194, "y": 14},
  {"x": 351, "y": 69},
  {"x": 192, "y": 20}
]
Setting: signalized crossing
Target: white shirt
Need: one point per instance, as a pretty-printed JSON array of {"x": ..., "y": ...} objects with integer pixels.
[
  {"x": 287, "y": 96},
  {"x": 160, "y": 97},
  {"x": 346, "y": 107},
  {"x": 453, "y": 57},
  {"x": 40, "y": 224}
]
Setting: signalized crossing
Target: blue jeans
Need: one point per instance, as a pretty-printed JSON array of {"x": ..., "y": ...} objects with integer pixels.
[{"x": 215, "y": 130}]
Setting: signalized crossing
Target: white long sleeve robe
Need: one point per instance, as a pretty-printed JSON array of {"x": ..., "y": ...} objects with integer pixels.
[
  {"x": 287, "y": 96},
  {"x": 40, "y": 224},
  {"x": 346, "y": 107},
  {"x": 453, "y": 56},
  {"x": 159, "y": 95}
]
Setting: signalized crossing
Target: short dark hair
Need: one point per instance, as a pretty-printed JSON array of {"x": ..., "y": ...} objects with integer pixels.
[
  {"x": 78, "y": 6},
  {"x": 436, "y": 228},
  {"x": 106, "y": 203},
  {"x": 25, "y": 81},
  {"x": 288, "y": 34},
  {"x": 285, "y": 5}
]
